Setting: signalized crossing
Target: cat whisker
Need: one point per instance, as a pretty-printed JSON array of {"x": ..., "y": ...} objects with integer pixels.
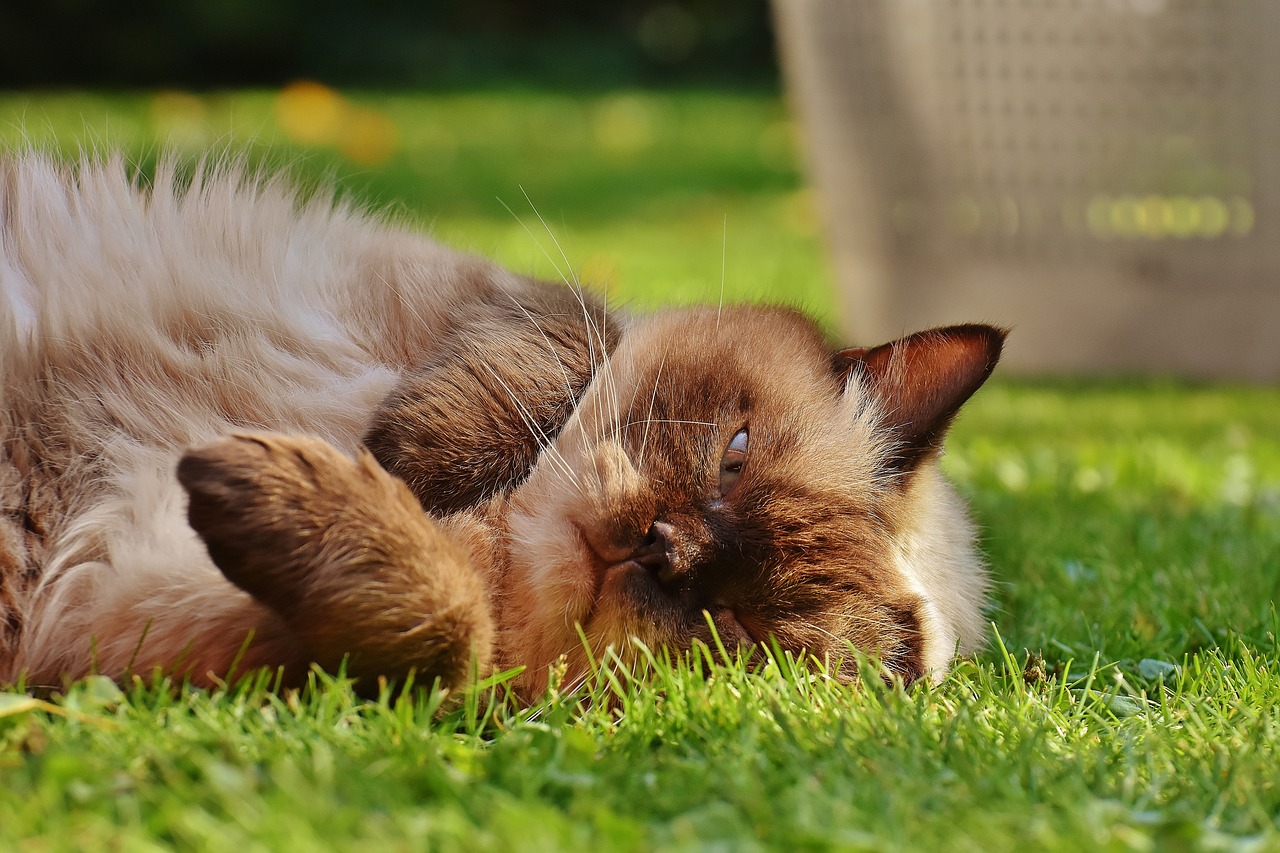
[
  {"x": 595, "y": 334},
  {"x": 724, "y": 251},
  {"x": 545, "y": 443},
  {"x": 602, "y": 366},
  {"x": 563, "y": 277},
  {"x": 879, "y": 627},
  {"x": 608, "y": 362},
  {"x": 608, "y": 416},
  {"x": 576, "y": 683},
  {"x": 808, "y": 625},
  {"x": 552, "y": 235},
  {"x": 615, "y": 409},
  {"x": 861, "y": 618},
  {"x": 653, "y": 399},
  {"x": 568, "y": 385},
  {"x": 595, "y": 356},
  {"x": 605, "y": 412},
  {"x": 842, "y": 642},
  {"x": 597, "y": 337},
  {"x": 647, "y": 421}
]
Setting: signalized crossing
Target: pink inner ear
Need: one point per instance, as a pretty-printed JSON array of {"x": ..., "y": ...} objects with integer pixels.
[{"x": 920, "y": 381}]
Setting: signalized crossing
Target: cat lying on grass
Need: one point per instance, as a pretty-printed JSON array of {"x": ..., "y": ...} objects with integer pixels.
[{"x": 240, "y": 428}]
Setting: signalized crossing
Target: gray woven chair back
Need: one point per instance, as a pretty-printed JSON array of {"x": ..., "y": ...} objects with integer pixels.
[{"x": 1102, "y": 175}]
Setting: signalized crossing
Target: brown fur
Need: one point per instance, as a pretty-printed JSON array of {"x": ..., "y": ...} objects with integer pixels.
[{"x": 452, "y": 430}]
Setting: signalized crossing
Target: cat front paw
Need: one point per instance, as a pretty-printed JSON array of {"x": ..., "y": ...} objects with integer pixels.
[
  {"x": 263, "y": 504},
  {"x": 342, "y": 551}
]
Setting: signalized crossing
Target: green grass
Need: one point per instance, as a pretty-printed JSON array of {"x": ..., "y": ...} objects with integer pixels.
[{"x": 1132, "y": 701}]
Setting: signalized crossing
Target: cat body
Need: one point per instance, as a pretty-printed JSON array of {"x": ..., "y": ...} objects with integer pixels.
[{"x": 239, "y": 430}]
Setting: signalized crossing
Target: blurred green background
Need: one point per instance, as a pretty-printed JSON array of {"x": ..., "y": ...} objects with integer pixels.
[{"x": 643, "y": 146}]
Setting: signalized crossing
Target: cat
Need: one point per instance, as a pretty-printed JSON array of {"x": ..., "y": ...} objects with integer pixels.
[{"x": 243, "y": 429}]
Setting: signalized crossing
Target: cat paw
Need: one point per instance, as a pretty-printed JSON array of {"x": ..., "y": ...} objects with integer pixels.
[
  {"x": 342, "y": 551},
  {"x": 267, "y": 505}
]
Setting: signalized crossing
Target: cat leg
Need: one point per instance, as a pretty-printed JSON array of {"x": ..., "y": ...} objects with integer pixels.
[
  {"x": 343, "y": 552},
  {"x": 123, "y": 585}
]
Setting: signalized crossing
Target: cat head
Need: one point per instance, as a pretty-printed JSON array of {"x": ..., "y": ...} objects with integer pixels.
[{"x": 726, "y": 469}]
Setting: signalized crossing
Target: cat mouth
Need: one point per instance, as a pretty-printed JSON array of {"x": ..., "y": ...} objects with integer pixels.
[
  {"x": 634, "y": 587},
  {"x": 640, "y": 584},
  {"x": 731, "y": 629}
]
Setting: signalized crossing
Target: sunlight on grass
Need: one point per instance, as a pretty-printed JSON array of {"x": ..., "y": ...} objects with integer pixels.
[{"x": 691, "y": 753}]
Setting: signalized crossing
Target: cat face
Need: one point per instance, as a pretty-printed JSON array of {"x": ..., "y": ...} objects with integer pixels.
[{"x": 723, "y": 469}]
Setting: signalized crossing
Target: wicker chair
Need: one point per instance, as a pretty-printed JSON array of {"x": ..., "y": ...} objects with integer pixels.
[{"x": 1102, "y": 175}]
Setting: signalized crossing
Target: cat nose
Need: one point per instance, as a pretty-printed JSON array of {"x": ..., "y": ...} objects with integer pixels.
[{"x": 656, "y": 552}]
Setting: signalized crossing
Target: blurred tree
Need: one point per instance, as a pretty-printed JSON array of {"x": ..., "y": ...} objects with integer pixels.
[{"x": 411, "y": 43}]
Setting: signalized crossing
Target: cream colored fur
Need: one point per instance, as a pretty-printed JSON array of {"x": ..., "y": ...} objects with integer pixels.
[{"x": 936, "y": 554}]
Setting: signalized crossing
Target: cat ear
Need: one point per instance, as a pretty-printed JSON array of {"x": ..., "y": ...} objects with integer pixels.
[{"x": 919, "y": 383}]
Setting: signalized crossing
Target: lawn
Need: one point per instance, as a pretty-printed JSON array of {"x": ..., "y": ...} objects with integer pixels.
[{"x": 1131, "y": 699}]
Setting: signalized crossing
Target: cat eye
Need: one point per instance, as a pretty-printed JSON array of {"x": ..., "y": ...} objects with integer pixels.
[{"x": 735, "y": 456}]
